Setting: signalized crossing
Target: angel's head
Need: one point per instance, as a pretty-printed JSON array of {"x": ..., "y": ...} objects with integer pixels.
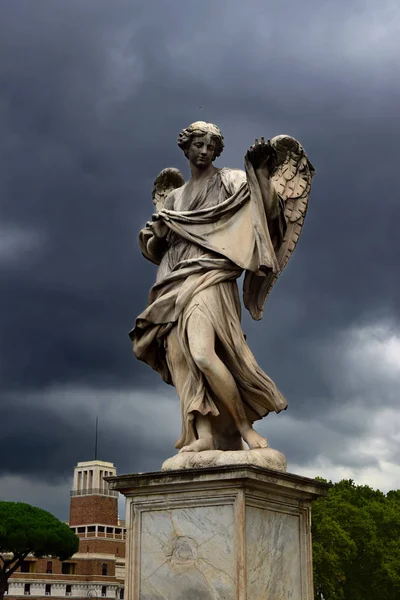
[{"x": 201, "y": 132}]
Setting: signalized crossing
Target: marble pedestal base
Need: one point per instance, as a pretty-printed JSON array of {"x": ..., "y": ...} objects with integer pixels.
[{"x": 219, "y": 533}]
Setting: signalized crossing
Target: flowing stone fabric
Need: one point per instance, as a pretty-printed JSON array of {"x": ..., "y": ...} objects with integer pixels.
[{"x": 223, "y": 231}]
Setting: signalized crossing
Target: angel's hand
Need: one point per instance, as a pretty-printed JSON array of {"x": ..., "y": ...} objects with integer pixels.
[
  {"x": 262, "y": 156},
  {"x": 159, "y": 228}
]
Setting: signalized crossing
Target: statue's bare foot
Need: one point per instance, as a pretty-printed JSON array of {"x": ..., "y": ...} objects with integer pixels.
[
  {"x": 199, "y": 445},
  {"x": 254, "y": 439}
]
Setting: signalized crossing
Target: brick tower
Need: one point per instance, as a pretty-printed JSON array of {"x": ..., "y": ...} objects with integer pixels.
[
  {"x": 92, "y": 501},
  {"x": 94, "y": 518},
  {"x": 97, "y": 570}
]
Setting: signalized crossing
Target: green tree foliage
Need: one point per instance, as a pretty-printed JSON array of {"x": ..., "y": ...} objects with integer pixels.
[
  {"x": 356, "y": 544},
  {"x": 25, "y": 529}
]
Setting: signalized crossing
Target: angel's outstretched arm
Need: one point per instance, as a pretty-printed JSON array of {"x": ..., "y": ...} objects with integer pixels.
[
  {"x": 291, "y": 176},
  {"x": 269, "y": 193},
  {"x": 261, "y": 157}
]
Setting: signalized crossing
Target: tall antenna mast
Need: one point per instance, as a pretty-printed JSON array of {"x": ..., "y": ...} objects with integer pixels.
[{"x": 95, "y": 441}]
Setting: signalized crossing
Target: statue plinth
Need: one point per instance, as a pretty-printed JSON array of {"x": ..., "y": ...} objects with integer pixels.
[
  {"x": 267, "y": 458},
  {"x": 236, "y": 532}
]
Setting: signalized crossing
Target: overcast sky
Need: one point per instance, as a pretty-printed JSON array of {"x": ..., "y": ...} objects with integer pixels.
[{"x": 93, "y": 94}]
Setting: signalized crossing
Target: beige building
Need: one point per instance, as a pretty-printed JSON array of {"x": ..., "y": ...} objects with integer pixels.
[{"x": 97, "y": 570}]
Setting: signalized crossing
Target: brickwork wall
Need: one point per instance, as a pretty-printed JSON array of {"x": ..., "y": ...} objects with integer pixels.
[
  {"x": 92, "y": 567},
  {"x": 85, "y": 510},
  {"x": 102, "y": 546}
]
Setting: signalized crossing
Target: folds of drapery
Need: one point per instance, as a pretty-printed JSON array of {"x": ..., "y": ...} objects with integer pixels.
[
  {"x": 231, "y": 236},
  {"x": 220, "y": 304},
  {"x": 167, "y": 300},
  {"x": 237, "y": 228}
]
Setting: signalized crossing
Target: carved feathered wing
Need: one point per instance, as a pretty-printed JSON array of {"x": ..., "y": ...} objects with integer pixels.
[
  {"x": 292, "y": 175},
  {"x": 169, "y": 179}
]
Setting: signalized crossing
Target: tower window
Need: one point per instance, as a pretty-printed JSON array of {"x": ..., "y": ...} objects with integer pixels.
[
  {"x": 121, "y": 594},
  {"x": 68, "y": 590},
  {"x": 104, "y": 569},
  {"x": 27, "y": 589},
  {"x": 104, "y": 591},
  {"x": 47, "y": 590},
  {"x": 49, "y": 567}
]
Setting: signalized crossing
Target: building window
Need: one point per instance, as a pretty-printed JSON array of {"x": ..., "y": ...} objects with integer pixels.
[
  {"x": 121, "y": 594},
  {"x": 68, "y": 568},
  {"x": 91, "y": 529},
  {"x": 49, "y": 567},
  {"x": 27, "y": 589},
  {"x": 81, "y": 530},
  {"x": 47, "y": 590},
  {"x": 28, "y": 566},
  {"x": 104, "y": 569},
  {"x": 104, "y": 591},
  {"x": 100, "y": 529},
  {"x": 68, "y": 590}
]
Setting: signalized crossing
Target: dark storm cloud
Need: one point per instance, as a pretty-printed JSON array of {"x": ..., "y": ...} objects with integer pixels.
[
  {"x": 55, "y": 428},
  {"x": 93, "y": 97}
]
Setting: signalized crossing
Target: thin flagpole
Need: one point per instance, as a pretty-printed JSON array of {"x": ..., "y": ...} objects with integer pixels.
[{"x": 96, "y": 437}]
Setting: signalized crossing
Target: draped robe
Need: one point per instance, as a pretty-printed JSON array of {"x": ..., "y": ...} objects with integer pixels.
[{"x": 224, "y": 230}]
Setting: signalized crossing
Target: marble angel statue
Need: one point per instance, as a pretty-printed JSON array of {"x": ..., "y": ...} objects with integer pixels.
[{"x": 205, "y": 233}]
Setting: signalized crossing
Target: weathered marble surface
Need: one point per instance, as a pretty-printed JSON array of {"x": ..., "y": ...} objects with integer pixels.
[
  {"x": 189, "y": 550},
  {"x": 273, "y": 557},
  {"x": 220, "y": 533},
  {"x": 268, "y": 458}
]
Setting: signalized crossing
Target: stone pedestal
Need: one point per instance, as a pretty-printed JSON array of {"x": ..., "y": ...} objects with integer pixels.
[{"x": 219, "y": 533}]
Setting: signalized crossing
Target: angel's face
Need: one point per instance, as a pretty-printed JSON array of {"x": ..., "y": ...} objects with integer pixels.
[{"x": 201, "y": 151}]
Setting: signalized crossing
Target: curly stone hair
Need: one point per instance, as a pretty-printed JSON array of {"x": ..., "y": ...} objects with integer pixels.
[{"x": 200, "y": 128}]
